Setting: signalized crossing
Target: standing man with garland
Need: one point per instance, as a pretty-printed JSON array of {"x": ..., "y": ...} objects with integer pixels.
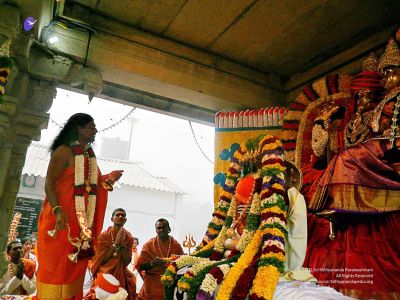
[
  {"x": 73, "y": 211},
  {"x": 153, "y": 260},
  {"x": 113, "y": 255}
]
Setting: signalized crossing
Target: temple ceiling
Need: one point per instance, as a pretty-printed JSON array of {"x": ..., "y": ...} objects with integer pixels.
[{"x": 189, "y": 57}]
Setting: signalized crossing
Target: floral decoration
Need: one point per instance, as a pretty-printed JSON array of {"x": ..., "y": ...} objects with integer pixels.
[
  {"x": 253, "y": 267},
  {"x": 85, "y": 180}
]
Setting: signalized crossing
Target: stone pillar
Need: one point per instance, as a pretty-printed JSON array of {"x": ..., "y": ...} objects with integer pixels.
[
  {"x": 23, "y": 113},
  {"x": 23, "y": 110}
]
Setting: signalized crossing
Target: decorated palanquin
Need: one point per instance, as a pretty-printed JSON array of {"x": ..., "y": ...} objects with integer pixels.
[
  {"x": 255, "y": 244},
  {"x": 344, "y": 135}
]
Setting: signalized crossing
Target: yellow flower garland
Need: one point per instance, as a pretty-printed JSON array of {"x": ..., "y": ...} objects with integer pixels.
[
  {"x": 264, "y": 284},
  {"x": 270, "y": 263},
  {"x": 245, "y": 259}
]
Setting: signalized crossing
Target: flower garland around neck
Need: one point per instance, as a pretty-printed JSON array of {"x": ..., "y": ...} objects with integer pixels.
[
  {"x": 82, "y": 184},
  {"x": 250, "y": 148},
  {"x": 258, "y": 269},
  {"x": 260, "y": 252},
  {"x": 215, "y": 277}
]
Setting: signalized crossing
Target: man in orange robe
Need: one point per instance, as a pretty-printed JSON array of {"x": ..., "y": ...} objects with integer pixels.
[
  {"x": 113, "y": 254},
  {"x": 153, "y": 260},
  {"x": 69, "y": 178}
]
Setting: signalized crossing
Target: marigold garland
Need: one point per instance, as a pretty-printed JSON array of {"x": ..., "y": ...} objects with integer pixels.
[
  {"x": 198, "y": 279},
  {"x": 264, "y": 284},
  {"x": 262, "y": 242},
  {"x": 245, "y": 259}
]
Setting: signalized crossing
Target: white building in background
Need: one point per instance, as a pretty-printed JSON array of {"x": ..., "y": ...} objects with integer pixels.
[{"x": 145, "y": 197}]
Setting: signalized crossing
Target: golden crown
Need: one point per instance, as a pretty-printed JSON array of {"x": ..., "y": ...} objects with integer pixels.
[{"x": 391, "y": 56}]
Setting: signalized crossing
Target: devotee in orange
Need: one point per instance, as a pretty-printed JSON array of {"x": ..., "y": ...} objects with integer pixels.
[
  {"x": 19, "y": 279},
  {"x": 113, "y": 255},
  {"x": 153, "y": 260},
  {"x": 73, "y": 211}
]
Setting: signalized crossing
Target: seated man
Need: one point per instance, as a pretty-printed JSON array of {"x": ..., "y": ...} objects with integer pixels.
[
  {"x": 113, "y": 254},
  {"x": 20, "y": 276},
  {"x": 153, "y": 260}
]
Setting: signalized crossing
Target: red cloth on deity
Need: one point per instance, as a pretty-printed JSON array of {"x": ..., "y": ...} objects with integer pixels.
[
  {"x": 365, "y": 192},
  {"x": 152, "y": 288},
  {"x": 363, "y": 260},
  {"x": 358, "y": 180},
  {"x": 115, "y": 265},
  {"x": 57, "y": 276}
]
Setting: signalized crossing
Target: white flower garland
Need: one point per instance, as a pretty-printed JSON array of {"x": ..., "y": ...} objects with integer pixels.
[
  {"x": 85, "y": 215},
  {"x": 247, "y": 234},
  {"x": 222, "y": 236},
  {"x": 209, "y": 283},
  {"x": 187, "y": 260},
  {"x": 121, "y": 295}
]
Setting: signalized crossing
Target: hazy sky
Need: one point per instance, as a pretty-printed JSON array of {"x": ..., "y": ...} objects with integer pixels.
[{"x": 164, "y": 144}]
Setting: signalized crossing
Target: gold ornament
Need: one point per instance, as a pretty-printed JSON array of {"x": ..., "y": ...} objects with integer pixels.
[
  {"x": 320, "y": 138},
  {"x": 189, "y": 242},
  {"x": 391, "y": 56},
  {"x": 108, "y": 184},
  {"x": 370, "y": 63}
]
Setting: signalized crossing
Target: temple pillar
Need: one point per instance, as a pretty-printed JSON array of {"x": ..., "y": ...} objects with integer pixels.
[
  {"x": 23, "y": 113},
  {"x": 29, "y": 94}
]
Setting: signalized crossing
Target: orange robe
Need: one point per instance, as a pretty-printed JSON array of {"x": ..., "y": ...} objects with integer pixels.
[
  {"x": 152, "y": 287},
  {"x": 57, "y": 276},
  {"x": 115, "y": 265}
]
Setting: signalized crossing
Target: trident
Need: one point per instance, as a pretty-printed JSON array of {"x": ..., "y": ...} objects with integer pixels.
[{"x": 189, "y": 242}]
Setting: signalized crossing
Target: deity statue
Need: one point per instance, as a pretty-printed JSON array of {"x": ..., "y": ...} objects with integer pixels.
[
  {"x": 340, "y": 122},
  {"x": 360, "y": 188},
  {"x": 367, "y": 92},
  {"x": 386, "y": 114}
]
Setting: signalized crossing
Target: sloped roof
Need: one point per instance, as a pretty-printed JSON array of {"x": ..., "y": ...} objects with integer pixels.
[{"x": 38, "y": 157}]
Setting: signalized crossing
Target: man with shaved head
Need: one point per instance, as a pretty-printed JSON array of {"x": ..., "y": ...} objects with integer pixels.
[
  {"x": 153, "y": 260},
  {"x": 113, "y": 254}
]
